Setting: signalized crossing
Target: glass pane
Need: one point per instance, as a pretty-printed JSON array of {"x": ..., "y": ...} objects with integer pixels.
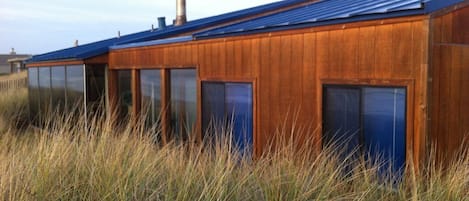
[
  {"x": 75, "y": 87},
  {"x": 125, "y": 95},
  {"x": 33, "y": 93},
  {"x": 342, "y": 117},
  {"x": 384, "y": 124},
  {"x": 213, "y": 105},
  {"x": 95, "y": 88},
  {"x": 183, "y": 101},
  {"x": 150, "y": 84},
  {"x": 58, "y": 87},
  {"x": 239, "y": 111},
  {"x": 44, "y": 89}
]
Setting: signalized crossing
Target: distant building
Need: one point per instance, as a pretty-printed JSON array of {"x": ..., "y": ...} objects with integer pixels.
[{"x": 13, "y": 63}]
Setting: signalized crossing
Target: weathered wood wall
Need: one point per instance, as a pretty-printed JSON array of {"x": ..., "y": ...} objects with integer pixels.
[
  {"x": 290, "y": 67},
  {"x": 450, "y": 81}
]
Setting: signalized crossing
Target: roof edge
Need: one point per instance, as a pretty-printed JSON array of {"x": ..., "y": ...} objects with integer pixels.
[
  {"x": 173, "y": 40},
  {"x": 318, "y": 24},
  {"x": 62, "y": 62}
]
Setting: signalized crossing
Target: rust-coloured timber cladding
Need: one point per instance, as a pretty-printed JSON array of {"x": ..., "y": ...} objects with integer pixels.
[
  {"x": 290, "y": 67},
  {"x": 450, "y": 81}
]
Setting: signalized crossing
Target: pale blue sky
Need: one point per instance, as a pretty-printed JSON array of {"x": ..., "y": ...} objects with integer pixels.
[{"x": 39, "y": 26}]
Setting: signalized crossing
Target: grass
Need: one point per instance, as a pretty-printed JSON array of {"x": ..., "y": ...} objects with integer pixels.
[
  {"x": 14, "y": 76},
  {"x": 67, "y": 162}
]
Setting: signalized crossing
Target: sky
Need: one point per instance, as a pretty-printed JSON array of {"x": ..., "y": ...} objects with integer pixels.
[{"x": 40, "y": 26}]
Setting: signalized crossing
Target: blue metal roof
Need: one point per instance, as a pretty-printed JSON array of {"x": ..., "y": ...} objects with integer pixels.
[
  {"x": 101, "y": 47},
  {"x": 154, "y": 42},
  {"x": 326, "y": 12}
]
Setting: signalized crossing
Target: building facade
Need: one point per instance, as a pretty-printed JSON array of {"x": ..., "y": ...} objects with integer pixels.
[{"x": 387, "y": 76}]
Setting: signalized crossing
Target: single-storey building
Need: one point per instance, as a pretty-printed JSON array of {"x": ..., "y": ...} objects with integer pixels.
[
  {"x": 66, "y": 77},
  {"x": 389, "y": 76},
  {"x": 12, "y": 62}
]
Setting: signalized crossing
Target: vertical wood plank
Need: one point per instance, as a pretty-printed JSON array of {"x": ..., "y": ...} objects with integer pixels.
[
  {"x": 255, "y": 57},
  {"x": 222, "y": 59},
  {"x": 208, "y": 67},
  {"x": 402, "y": 44},
  {"x": 274, "y": 84},
  {"x": 296, "y": 71},
  {"x": 238, "y": 59},
  {"x": 309, "y": 80},
  {"x": 264, "y": 94},
  {"x": 350, "y": 51},
  {"x": 284, "y": 79},
  {"x": 447, "y": 28},
  {"x": 445, "y": 77},
  {"x": 195, "y": 54},
  {"x": 230, "y": 59},
  {"x": 246, "y": 59},
  {"x": 202, "y": 59},
  {"x": 336, "y": 54},
  {"x": 459, "y": 26},
  {"x": 454, "y": 98},
  {"x": 435, "y": 110},
  {"x": 464, "y": 110},
  {"x": 384, "y": 51},
  {"x": 366, "y": 51},
  {"x": 322, "y": 54}
]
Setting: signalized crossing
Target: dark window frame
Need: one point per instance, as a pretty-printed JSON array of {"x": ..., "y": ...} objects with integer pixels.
[{"x": 360, "y": 88}]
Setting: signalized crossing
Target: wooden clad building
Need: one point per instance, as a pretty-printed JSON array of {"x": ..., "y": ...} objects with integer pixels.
[
  {"x": 387, "y": 76},
  {"x": 391, "y": 73},
  {"x": 76, "y": 78}
]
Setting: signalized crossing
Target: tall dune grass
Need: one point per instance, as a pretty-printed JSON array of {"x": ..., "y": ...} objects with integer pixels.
[{"x": 65, "y": 161}]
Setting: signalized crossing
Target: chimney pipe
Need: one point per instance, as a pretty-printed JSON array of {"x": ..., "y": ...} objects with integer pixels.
[
  {"x": 180, "y": 12},
  {"x": 161, "y": 23},
  {"x": 12, "y": 52},
  {"x": 76, "y": 43}
]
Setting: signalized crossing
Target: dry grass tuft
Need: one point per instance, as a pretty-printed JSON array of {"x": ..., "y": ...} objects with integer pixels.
[{"x": 65, "y": 161}]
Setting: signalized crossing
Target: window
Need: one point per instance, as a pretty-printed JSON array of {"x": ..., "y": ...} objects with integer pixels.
[
  {"x": 229, "y": 104},
  {"x": 125, "y": 95},
  {"x": 44, "y": 90},
  {"x": 183, "y": 97},
  {"x": 150, "y": 85},
  {"x": 34, "y": 98},
  {"x": 371, "y": 118},
  {"x": 95, "y": 88},
  {"x": 58, "y": 87},
  {"x": 75, "y": 88}
]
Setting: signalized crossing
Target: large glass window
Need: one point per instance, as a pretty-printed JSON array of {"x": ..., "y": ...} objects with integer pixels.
[
  {"x": 150, "y": 85},
  {"x": 58, "y": 87},
  {"x": 95, "y": 88},
  {"x": 75, "y": 87},
  {"x": 125, "y": 95},
  {"x": 44, "y": 90},
  {"x": 369, "y": 118},
  {"x": 229, "y": 104},
  {"x": 33, "y": 93},
  {"x": 183, "y": 101}
]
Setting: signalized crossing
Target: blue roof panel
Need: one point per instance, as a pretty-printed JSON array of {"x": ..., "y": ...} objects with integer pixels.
[
  {"x": 101, "y": 47},
  {"x": 325, "y": 12}
]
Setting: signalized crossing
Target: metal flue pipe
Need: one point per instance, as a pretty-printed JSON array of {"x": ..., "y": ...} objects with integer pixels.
[{"x": 180, "y": 12}]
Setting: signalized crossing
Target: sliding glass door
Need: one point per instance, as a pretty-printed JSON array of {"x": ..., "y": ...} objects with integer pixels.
[
  {"x": 371, "y": 119},
  {"x": 125, "y": 96},
  {"x": 229, "y": 104},
  {"x": 183, "y": 99},
  {"x": 150, "y": 85}
]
